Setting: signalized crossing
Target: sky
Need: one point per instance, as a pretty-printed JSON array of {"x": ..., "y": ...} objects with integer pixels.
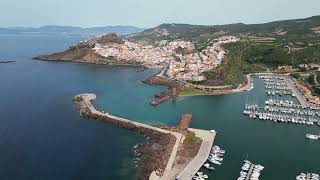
[{"x": 150, "y": 13}]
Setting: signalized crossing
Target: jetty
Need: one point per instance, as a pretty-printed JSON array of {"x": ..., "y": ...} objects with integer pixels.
[
  {"x": 83, "y": 103},
  {"x": 250, "y": 172}
]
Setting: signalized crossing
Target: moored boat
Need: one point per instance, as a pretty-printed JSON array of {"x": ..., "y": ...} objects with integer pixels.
[{"x": 313, "y": 136}]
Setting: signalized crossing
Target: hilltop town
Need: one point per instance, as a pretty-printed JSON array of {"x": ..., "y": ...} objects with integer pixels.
[{"x": 180, "y": 58}]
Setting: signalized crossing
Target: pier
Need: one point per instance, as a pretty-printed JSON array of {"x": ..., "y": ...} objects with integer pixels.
[
  {"x": 250, "y": 172},
  {"x": 83, "y": 102},
  {"x": 308, "y": 176}
]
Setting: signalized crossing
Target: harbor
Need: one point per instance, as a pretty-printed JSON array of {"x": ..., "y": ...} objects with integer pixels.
[{"x": 210, "y": 156}]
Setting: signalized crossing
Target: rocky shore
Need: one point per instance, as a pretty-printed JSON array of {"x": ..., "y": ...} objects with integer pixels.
[
  {"x": 171, "y": 92},
  {"x": 154, "y": 154}
]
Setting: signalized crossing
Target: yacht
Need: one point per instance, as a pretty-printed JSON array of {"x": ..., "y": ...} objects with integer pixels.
[{"x": 215, "y": 157}]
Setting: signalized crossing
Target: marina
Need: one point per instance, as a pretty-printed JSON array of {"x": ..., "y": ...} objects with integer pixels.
[{"x": 280, "y": 110}]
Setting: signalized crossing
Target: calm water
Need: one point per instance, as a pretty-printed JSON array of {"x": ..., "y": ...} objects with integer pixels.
[{"x": 42, "y": 136}]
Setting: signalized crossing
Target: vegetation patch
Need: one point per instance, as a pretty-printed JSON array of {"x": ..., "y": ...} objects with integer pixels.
[{"x": 192, "y": 136}]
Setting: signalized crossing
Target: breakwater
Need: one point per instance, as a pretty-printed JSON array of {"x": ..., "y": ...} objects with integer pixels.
[
  {"x": 158, "y": 164},
  {"x": 160, "y": 158}
]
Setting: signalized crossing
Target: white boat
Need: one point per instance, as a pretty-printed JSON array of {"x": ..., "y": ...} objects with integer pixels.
[
  {"x": 312, "y": 136},
  {"x": 208, "y": 166},
  {"x": 215, "y": 157},
  {"x": 197, "y": 178},
  {"x": 214, "y": 161},
  {"x": 251, "y": 87}
]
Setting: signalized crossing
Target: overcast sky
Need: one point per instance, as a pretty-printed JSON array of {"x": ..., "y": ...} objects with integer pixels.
[{"x": 148, "y": 13}]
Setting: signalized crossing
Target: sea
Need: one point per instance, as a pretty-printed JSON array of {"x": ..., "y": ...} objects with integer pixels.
[{"x": 43, "y": 137}]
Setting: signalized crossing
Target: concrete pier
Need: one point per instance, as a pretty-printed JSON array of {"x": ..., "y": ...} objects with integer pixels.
[
  {"x": 250, "y": 172},
  {"x": 308, "y": 176}
]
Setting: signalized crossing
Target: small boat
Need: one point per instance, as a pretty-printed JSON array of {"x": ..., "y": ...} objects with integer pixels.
[
  {"x": 250, "y": 88},
  {"x": 312, "y": 136},
  {"x": 208, "y": 166},
  {"x": 214, "y": 161},
  {"x": 215, "y": 157}
]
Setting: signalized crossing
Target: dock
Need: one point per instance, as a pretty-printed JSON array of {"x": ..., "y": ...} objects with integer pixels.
[
  {"x": 308, "y": 176},
  {"x": 250, "y": 172}
]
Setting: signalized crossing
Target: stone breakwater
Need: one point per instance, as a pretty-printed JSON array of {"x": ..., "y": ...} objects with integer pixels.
[
  {"x": 157, "y": 156},
  {"x": 176, "y": 86},
  {"x": 172, "y": 91},
  {"x": 160, "y": 154}
]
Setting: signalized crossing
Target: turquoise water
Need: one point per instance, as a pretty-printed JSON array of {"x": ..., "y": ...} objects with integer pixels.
[{"x": 42, "y": 136}]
